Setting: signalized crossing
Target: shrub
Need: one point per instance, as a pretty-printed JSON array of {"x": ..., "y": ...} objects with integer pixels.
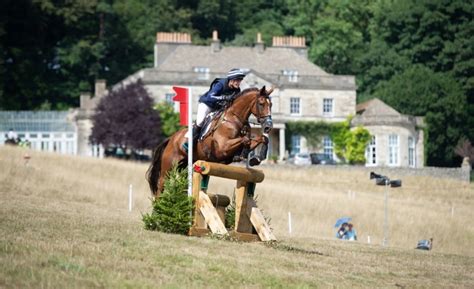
[{"x": 172, "y": 210}]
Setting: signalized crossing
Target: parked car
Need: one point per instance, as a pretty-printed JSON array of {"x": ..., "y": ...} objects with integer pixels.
[
  {"x": 300, "y": 159},
  {"x": 321, "y": 159}
]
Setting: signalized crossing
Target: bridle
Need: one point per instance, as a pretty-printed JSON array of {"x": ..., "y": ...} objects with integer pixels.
[{"x": 261, "y": 119}]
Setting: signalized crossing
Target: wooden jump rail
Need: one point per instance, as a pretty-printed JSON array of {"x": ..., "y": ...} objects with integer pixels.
[{"x": 210, "y": 209}]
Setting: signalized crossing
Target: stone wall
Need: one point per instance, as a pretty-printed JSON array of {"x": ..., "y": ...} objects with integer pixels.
[{"x": 461, "y": 173}]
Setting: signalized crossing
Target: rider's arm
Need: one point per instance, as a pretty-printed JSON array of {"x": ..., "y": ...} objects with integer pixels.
[{"x": 215, "y": 92}]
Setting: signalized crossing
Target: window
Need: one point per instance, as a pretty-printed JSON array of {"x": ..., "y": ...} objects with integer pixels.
[
  {"x": 295, "y": 144},
  {"x": 169, "y": 97},
  {"x": 45, "y": 135},
  {"x": 203, "y": 72},
  {"x": 292, "y": 75},
  {"x": 295, "y": 105},
  {"x": 411, "y": 152},
  {"x": 328, "y": 147},
  {"x": 371, "y": 152},
  {"x": 328, "y": 106},
  {"x": 393, "y": 149}
]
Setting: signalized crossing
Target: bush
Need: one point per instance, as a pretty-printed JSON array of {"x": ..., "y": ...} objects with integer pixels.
[{"x": 172, "y": 210}]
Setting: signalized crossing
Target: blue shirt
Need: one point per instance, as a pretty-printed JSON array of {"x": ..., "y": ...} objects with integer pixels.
[
  {"x": 219, "y": 88},
  {"x": 350, "y": 235}
]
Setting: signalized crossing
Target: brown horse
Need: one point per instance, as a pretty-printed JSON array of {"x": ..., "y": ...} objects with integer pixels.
[{"x": 229, "y": 136}]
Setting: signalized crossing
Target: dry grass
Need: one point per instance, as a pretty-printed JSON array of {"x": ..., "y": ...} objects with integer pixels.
[{"x": 65, "y": 223}]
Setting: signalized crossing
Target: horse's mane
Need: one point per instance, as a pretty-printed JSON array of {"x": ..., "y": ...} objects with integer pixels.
[{"x": 245, "y": 91}]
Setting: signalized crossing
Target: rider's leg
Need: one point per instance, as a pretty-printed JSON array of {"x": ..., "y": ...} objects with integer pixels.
[{"x": 202, "y": 111}]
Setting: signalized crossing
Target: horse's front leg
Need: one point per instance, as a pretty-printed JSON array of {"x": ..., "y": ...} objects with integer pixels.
[
  {"x": 260, "y": 139},
  {"x": 258, "y": 150},
  {"x": 230, "y": 146}
]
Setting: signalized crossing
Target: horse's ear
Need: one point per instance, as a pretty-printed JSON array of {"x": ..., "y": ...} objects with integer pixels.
[
  {"x": 270, "y": 90},
  {"x": 263, "y": 91}
]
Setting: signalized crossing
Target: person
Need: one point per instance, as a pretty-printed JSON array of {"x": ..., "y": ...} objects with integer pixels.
[
  {"x": 11, "y": 135},
  {"x": 350, "y": 233},
  {"x": 220, "y": 93},
  {"x": 342, "y": 231}
]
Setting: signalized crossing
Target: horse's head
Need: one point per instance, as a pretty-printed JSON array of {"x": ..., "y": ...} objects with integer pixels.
[{"x": 263, "y": 109}]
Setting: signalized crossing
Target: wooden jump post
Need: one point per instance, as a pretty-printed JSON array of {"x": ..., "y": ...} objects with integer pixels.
[{"x": 210, "y": 209}]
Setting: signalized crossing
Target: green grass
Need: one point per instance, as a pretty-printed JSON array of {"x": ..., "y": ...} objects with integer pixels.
[{"x": 65, "y": 224}]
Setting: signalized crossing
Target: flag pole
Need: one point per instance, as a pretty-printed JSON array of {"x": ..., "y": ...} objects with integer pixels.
[{"x": 190, "y": 143}]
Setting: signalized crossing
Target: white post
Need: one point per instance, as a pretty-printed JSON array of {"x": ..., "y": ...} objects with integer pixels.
[
  {"x": 289, "y": 223},
  {"x": 385, "y": 223},
  {"x": 368, "y": 239},
  {"x": 130, "y": 197},
  {"x": 452, "y": 211},
  {"x": 190, "y": 143}
]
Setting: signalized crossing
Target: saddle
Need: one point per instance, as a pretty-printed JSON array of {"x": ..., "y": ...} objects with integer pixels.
[{"x": 207, "y": 127}]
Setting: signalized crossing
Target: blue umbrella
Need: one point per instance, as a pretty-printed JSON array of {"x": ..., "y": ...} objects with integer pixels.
[{"x": 341, "y": 221}]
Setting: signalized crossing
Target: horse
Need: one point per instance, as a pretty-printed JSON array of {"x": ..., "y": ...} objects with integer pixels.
[{"x": 228, "y": 136}]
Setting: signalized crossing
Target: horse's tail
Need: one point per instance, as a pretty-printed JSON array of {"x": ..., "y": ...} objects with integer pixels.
[{"x": 153, "y": 172}]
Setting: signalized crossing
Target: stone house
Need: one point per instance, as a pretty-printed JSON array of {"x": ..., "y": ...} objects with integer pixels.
[{"x": 397, "y": 139}]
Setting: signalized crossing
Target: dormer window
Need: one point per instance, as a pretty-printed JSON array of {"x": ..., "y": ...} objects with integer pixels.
[
  {"x": 202, "y": 72},
  {"x": 292, "y": 75}
]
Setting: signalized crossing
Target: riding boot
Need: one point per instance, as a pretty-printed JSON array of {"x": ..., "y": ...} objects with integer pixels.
[{"x": 196, "y": 132}]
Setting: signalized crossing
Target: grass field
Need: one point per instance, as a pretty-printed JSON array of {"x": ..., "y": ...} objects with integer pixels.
[{"x": 65, "y": 223}]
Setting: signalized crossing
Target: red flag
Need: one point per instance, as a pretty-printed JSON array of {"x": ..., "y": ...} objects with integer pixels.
[{"x": 182, "y": 96}]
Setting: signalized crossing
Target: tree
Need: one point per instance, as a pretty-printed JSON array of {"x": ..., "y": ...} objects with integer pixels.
[
  {"x": 125, "y": 117},
  {"x": 465, "y": 149},
  {"x": 349, "y": 145},
  {"x": 434, "y": 33},
  {"x": 169, "y": 118},
  {"x": 172, "y": 210}
]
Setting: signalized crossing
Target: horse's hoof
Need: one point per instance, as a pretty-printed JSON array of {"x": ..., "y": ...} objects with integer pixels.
[{"x": 254, "y": 161}]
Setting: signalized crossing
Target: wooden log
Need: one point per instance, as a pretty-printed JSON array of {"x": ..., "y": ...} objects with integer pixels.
[
  {"x": 219, "y": 200},
  {"x": 245, "y": 237},
  {"x": 261, "y": 226},
  {"x": 210, "y": 215},
  {"x": 242, "y": 221},
  {"x": 198, "y": 220},
  {"x": 198, "y": 232},
  {"x": 229, "y": 172}
]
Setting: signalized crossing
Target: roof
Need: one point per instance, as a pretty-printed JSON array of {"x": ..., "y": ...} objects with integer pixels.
[
  {"x": 377, "y": 112},
  {"x": 35, "y": 121},
  {"x": 273, "y": 60},
  {"x": 376, "y": 107}
]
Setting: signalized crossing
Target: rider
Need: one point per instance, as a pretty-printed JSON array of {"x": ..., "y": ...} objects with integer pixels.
[{"x": 221, "y": 91}]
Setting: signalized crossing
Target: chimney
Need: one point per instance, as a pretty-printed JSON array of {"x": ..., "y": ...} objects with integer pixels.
[
  {"x": 166, "y": 42},
  {"x": 100, "y": 88},
  {"x": 297, "y": 43},
  {"x": 85, "y": 99},
  {"x": 216, "y": 43},
  {"x": 259, "y": 45}
]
